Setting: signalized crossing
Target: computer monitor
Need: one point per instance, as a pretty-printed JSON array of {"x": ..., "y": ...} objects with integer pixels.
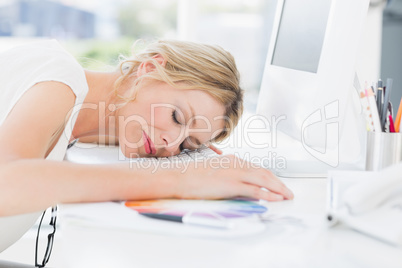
[{"x": 307, "y": 85}]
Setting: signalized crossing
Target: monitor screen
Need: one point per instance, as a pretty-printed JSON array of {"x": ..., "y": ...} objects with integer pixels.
[{"x": 301, "y": 34}]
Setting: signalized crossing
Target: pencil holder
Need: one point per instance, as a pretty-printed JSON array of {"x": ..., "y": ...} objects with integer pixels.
[{"x": 383, "y": 149}]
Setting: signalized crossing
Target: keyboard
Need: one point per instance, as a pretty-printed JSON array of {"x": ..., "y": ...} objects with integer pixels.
[
  {"x": 95, "y": 154},
  {"x": 186, "y": 155}
]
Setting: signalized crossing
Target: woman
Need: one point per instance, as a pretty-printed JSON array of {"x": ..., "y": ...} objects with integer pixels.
[{"x": 172, "y": 96}]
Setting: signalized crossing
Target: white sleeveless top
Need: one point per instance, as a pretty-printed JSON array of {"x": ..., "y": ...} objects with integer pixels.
[{"x": 20, "y": 69}]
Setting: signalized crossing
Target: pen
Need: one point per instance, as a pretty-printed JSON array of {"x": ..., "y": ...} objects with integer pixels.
[
  {"x": 379, "y": 100},
  {"x": 374, "y": 88},
  {"x": 386, "y": 101},
  {"x": 193, "y": 220}
]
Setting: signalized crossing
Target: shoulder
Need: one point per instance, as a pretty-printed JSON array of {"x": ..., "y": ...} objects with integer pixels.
[
  {"x": 43, "y": 101},
  {"x": 29, "y": 129}
]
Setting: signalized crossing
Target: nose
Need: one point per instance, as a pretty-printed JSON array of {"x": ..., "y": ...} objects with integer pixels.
[{"x": 172, "y": 140}]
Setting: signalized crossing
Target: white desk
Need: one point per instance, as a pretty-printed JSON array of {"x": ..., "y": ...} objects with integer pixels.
[{"x": 282, "y": 244}]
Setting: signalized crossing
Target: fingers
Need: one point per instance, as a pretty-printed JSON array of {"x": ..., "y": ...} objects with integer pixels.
[
  {"x": 216, "y": 150},
  {"x": 266, "y": 179},
  {"x": 258, "y": 176},
  {"x": 250, "y": 179},
  {"x": 258, "y": 193}
]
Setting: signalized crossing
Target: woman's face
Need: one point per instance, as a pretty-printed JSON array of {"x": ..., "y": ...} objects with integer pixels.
[{"x": 164, "y": 120}]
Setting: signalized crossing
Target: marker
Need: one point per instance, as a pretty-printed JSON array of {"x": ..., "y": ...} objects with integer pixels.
[
  {"x": 191, "y": 219},
  {"x": 391, "y": 124},
  {"x": 398, "y": 117},
  {"x": 386, "y": 102},
  {"x": 391, "y": 109},
  {"x": 379, "y": 100}
]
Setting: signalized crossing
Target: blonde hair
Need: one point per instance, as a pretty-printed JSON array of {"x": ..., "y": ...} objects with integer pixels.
[{"x": 190, "y": 65}]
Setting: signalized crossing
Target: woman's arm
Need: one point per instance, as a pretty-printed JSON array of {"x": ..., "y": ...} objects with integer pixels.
[{"x": 30, "y": 183}]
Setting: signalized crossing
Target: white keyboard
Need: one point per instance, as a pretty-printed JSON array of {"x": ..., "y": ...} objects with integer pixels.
[
  {"x": 90, "y": 154},
  {"x": 186, "y": 155}
]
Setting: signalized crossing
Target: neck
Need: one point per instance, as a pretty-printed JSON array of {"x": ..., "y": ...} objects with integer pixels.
[{"x": 96, "y": 117}]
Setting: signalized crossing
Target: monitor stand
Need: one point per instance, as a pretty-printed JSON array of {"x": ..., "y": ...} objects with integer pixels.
[
  {"x": 302, "y": 169},
  {"x": 286, "y": 157}
]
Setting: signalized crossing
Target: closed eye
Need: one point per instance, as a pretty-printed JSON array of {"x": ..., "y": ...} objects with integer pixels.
[{"x": 174, "y": 117}]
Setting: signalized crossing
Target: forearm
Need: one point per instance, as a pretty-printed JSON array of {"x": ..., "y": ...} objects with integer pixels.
[{"x": 33, "y": 184}]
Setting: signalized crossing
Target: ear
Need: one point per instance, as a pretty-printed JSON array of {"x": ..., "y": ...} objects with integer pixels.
[{"x": 147, "y": 66}]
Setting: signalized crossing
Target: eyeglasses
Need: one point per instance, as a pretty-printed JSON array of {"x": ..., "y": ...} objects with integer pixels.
[{"x": 50, "y": 238}]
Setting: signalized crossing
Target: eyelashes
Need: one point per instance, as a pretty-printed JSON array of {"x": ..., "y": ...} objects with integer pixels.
[{"x": 174, "y": 118}]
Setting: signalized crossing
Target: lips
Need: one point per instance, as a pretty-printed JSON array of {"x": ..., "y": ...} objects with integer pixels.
[{"x": 148, "y": 144}]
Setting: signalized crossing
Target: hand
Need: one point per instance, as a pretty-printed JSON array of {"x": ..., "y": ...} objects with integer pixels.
[
  {"x": 216, "y": 150},
  {"x": 227, "y": 177}
]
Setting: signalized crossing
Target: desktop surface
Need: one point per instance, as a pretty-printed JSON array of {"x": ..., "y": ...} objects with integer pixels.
[{"x": 296, "y": 235}]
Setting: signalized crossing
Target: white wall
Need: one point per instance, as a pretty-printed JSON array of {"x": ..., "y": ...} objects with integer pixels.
[{"x": 369, "y": 54}]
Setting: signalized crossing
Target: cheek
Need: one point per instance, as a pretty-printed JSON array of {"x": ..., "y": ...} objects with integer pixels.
[
  {"x": 161, "y": 118},
  {"x": 130, "y": 133}
]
